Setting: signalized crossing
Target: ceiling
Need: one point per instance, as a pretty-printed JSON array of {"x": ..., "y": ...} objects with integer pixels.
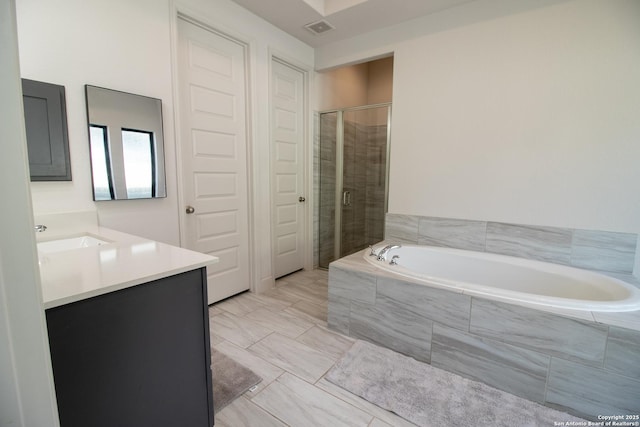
[{"x": 348, "y": 17}]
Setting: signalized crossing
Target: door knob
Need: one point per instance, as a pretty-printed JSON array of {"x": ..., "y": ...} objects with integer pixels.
[
  {"x": 190, "y": 209},
  {"x": 301, "y": 199}
]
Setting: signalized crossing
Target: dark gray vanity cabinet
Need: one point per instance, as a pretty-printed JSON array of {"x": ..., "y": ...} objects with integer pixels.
[
  {"x": 45, "y": 118},
  {"x": 135, "y": 357}
]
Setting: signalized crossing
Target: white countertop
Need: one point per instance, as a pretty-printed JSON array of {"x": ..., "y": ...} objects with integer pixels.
[{"x": 125, "y": 261}]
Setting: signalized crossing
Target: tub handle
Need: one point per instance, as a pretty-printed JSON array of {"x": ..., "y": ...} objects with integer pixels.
[
  {"x": 372, "y": 252},
  {"x": 394, "y": 260}
]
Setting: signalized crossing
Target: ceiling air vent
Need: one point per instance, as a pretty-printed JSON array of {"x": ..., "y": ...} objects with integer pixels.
[{"x": 319, "y": 27}]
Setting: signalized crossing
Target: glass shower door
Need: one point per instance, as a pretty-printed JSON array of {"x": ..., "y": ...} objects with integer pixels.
[
  {"x": 353, "y": 170},
  {"x": 364, "y": 178}
]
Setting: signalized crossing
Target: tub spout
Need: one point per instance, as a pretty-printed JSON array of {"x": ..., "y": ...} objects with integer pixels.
[{"x": 382, "y": 255}]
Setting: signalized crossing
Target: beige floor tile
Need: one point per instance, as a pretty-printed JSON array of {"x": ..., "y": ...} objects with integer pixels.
[
  {"x": 358, "y": 402},
  {"x": 332, "y": 344},
  {"x": 274, "y": 304},
  {"x": 243, "y": 413},
  {"x": 320, "y": 273},
  {"x": 297, "y": 313},
  {"x": 214, "y": 311},
  {"x": 299, "y": 403},
  {"x": 378, "y": 423},
  {"x": 278, "y": 293},
  {"x": 293, "y": 356},
  {"x": 312, "y": 290},
  {"x": 240, "y": 304},
  {"x": 239, "y": 330},
  {"x": 301, "y": 293},
  {"x": 284, "y": 323},
  {"x": 302, "y": 277},
  {"x": 215, "y": 339},
  {"x": 282, "y": 282},
  {"x": 319, "y": 311}
]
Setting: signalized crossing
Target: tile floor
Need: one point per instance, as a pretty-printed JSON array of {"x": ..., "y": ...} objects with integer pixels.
[{"x": 282, "y": 336}]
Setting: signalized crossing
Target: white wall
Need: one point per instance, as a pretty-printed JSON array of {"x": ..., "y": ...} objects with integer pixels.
[
  {"x": 127, "y": 45},
  {"x": 529, "y": 117},
  {"x": 343, "y": 87},
  {"x": 380, "y": 85},
  {"x": 355, "y": 85},
  {"x": 27, "y": 395},
  {"x": 122, "y": 45}
]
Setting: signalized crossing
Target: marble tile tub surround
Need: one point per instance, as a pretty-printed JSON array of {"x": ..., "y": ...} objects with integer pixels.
[
  {"x": 595, "y": 250},
  {"x": 557, "y": 358}
]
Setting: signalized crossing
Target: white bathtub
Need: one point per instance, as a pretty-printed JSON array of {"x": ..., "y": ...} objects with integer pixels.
[{"x": 510, "y": 279}]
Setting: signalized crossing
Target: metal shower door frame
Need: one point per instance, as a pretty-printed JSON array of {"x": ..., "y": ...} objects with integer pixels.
[{"x": 337, "y": 247}]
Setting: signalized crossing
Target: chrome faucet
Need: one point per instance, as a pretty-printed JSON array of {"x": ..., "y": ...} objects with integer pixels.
[
  {"x": 40, "y": 228},
  {"x": 382, "y": 255}
]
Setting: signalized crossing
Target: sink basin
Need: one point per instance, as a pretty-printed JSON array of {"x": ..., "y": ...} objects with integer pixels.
[{"x": 70, "y": 243}]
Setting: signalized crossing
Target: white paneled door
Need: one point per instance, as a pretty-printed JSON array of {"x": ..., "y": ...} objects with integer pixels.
[
  {"x": 213, "y": 142},
  {"x": 287, "y": 159}
]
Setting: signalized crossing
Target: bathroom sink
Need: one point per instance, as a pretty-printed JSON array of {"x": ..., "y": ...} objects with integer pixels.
[{"x": 70, "y": 243}]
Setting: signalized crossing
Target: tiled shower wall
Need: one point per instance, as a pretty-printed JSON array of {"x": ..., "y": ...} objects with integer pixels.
[
  {"x": 316, "y": 188},
  {"x": 376, "y": 183},
  {"x": 325, "y": 174},
  {"x": 597, "y": 250}
]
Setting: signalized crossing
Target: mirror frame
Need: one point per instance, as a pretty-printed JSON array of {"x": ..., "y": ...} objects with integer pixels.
[{"x": 115, "y": 112}]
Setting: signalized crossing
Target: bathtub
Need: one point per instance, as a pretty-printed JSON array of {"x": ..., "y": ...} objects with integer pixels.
[
  {"x": 552, "y": 334},
  {"x": 509, "y": 279}
]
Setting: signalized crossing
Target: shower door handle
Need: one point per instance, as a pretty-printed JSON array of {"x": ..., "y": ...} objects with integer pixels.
[{"x": 346, "y": 198}]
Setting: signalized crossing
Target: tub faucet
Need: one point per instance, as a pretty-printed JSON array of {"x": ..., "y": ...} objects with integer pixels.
[
  {"x": 382, "y": 255},
  {"x": 40, "y": 228}
]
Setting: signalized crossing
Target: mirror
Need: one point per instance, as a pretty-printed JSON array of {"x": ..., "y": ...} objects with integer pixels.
[{"x": 126, "y": 143}]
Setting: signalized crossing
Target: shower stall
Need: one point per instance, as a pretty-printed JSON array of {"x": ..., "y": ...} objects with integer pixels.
[{"x": 353, "y": 170}]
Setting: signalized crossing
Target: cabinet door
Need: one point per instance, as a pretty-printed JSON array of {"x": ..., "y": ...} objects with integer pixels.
[
  {"x": 45, "y": 118},
  {"x": 135, "y": 357}
]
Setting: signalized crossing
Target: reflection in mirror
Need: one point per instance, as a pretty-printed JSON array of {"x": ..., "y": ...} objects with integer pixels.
[
  {"x": 102, "y": 190},
  {"x": 126, "y": 141},
  {"x": 137, "y": 153}
]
